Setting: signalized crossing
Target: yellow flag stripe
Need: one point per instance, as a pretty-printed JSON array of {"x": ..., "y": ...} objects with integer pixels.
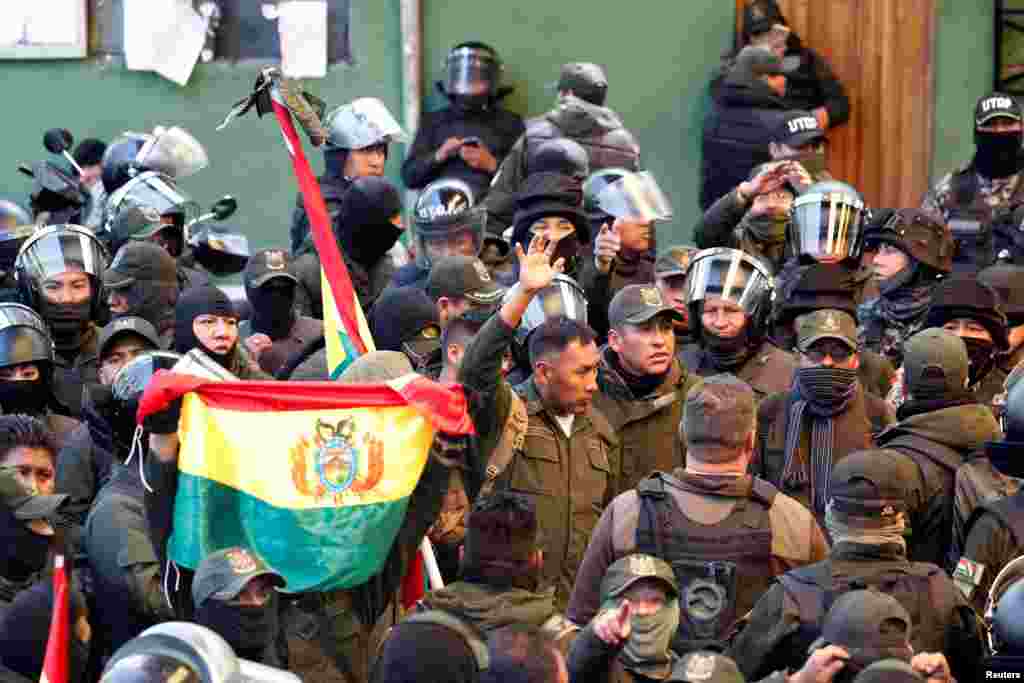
[{"x": 290, "y": 460}]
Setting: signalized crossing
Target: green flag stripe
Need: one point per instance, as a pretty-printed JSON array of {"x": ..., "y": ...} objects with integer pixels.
[{"x": 315, "y": 550}]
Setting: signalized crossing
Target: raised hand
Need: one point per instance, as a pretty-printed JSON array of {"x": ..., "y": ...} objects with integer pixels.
[
  {"x": 613, "y": 626},
  {"x": 535, "y": 268},
  {"x": 447, "y": 148},
  {"x": 606, "y": 247}
]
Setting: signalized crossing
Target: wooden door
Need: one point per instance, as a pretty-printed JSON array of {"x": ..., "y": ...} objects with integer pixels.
[{"x": 881, "y": 50}]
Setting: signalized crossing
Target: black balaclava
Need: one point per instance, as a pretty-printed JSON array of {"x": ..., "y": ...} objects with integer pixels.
[
  {"x": 22, "y": 551},
  {"x": 363, "y": 227},
  {"x": 982, "y": 356},
  {"x": 997, "y": 155},
  {"x": 204, "y": 300},
  {"x": 153, "y": 301},
  {"x": 249, "y": 629},
  {"x": 273, "y": 307},
  {"x": 68, "y": 323},
  {"x": 119, "y": 417},
  {"x": 334, "y": 162},
  {"x": 24, "y": 396}
]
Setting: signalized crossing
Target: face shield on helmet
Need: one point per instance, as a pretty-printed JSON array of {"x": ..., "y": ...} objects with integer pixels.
[
  {"x": 24, "y": 337},
  {"x": 176, "y": 651},
  {"x": 154, "y": 191},
  {"x": 636, "y": 197},
  {"x": 731, "y": 275},
  {"x": 827, "y": 223},
  {"x": 16, "y": 226},
  {"x": 593, "y": 186},
  {"x": 472, "y": 71},
  {"x": 446, "y": 222},
  {"x": 131, "y": 380},
  {"x": 219, "y": 250},
  {"x": 562, "y": 298},
  {"x": 362, "y": 123},
  {"x": 172, "y": 151},
  {"x": 59, "y": 249}
]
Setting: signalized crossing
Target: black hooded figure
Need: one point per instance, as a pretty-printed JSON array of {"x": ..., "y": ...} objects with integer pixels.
[
  {"x": 209, "y": 300},
  {"x": 473, "y": 118}
]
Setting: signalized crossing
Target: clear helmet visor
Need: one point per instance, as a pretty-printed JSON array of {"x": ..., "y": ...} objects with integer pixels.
[
  {"x": 731, "y": 275},
  {"x": 471, "y": 71},
  {"x": 152, "y": 190},
  {"x": 60, "y": 249},
  {"x": 131, "y": 380},
  {"x": 464, "y": 237},
  {"x": 828, "y": 227},
  {"x": 173, "y": 152},
  {"x": 635, "y": 196},
  {"x": 562, "y": 298},
  {"x": 362, "y": 123}
]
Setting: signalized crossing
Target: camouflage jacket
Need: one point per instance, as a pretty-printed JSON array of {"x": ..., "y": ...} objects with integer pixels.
[
  {"x": 977, "y": 482},
  {"x": 994, "y": 192},
  {"x": 884, "y": 336}
]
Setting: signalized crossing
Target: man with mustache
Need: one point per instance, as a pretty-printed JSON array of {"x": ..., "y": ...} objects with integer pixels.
[{"x": 642, "y": 384}]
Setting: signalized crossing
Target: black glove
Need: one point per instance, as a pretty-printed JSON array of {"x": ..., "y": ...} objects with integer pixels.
[{"x": 164, "y": 421}]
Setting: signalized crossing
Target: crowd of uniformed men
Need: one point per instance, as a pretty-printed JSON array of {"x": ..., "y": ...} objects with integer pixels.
[{"x": 787, "y": 452}]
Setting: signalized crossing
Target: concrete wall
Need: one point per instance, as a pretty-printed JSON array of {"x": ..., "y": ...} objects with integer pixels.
[{"x": 659, "y": 57}]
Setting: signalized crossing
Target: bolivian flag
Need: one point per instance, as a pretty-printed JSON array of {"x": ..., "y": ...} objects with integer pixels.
[{"x": 315, "y": 477}]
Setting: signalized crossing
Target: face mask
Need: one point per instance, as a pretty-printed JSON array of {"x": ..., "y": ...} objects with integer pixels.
[
  {"x": 22, "y": 551},
  {"x": 248, "y": 629},
  {"x": 770, "y": 229},
  {"x": 981, "y": 354},
  {"x": 149, "y": 300},
  {"x": 997, "y": 155},
  {"x": 28, "y": 397},
  {"x": 273, "y": 310},
  {"x": 67, "y": 322},
  {"x": 828, "y": 390},
  {"x": 371, "y": 242},
  {"x": 646, "y": 651}
]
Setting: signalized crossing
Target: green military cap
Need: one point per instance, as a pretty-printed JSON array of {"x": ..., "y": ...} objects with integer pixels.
[
  {"x": 636, "y": 304},
  {"x": 827, "y": 323},
  {"x": 627, "y": 570},
  {"x": 222, "y": 575},
  {"x": 674, "y": 261},
  {"x": 25, "y": 504},
  {"x": 935, "y": 364}
]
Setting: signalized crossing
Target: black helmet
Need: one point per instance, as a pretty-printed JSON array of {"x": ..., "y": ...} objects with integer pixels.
[
  {"x": 966, "y": 296},
  {"x": 735, "y": 276},
  {"x": 1008, "y": 280},
  {"x": 24, "y": 337},
  {"x": 57, "y": 249},
  {"x": 171, "y": 151},
  {"x": 564, "y": 156},
  {"x": 472, "y": 73},
  {"x": 447, "y": 222},
  {"x": 56, "y": 193},
  {"x": 827, "y": 222},
  {"x": 15, "y": 227},
  {"x": 119, "y": 165}
]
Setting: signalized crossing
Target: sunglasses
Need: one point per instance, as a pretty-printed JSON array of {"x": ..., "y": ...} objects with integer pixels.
[{"x": 838, "y": 352}]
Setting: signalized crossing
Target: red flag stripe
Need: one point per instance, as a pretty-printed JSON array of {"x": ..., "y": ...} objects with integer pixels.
[
  {"x": 55, "y": 665},
  {"x": 320, "y": 228},
  {"x": 443, "y": 404}
]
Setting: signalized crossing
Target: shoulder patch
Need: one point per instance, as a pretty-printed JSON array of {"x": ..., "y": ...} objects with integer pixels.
[{"x": 967, "y": 576}]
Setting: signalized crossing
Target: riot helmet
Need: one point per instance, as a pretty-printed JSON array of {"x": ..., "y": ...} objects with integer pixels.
[
  {"x": 153, "y": 190},
  {"x": 592, "y": 187},
  {"x": 472, "y": 74},
  {"x": 563, "y": 156},
  {"x": 735, "y": 276},
  {"x": 57, "y": 249},
  {"x": 633, "y": 196},
  {"x": 180, "y": 652},
  {"x": 362, "y": 123},
  {"x": 920, "y": 235},
  {"x": 827, "y": 223},
  {"x": 1004, "y": 609},
  {"x": 15, "y": 227},
  {"x": 24, "y": 337},
  {"x": 56, "y": 195},
  {"x": 446, "y": 222},
  {"x": 563, "y": 298},
  {"x": 1008, "y": 281},
  {"x": 219, "y": 250},
  {"x": 171, "y": 151}
]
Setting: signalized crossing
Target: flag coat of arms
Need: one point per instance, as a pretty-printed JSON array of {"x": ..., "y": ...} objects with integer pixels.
[{"x": 314, "y": 477}]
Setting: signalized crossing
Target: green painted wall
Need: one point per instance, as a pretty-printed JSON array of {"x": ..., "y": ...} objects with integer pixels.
[
  {"x": 963, "y": 73},
  {"x": 248, "y": 159},
  {"x": 659, "y": 57}
]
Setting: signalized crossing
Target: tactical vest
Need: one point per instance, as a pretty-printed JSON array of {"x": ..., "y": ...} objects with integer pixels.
[
  {"x": 921, "y": 588},
  {"x": 607, "y": 149},
  {"x": 970, "y": 220},
  {"x": 1010, "y": 513},
  {"x": 722, "y": 569}
]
